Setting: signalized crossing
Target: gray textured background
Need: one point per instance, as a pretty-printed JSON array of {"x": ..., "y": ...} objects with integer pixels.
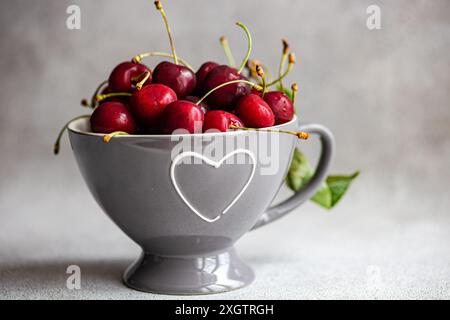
[{"x": 385, "y": 94}]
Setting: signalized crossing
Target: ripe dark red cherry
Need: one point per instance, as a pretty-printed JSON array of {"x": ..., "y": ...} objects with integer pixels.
[
  {"x": 148, "y": 103},
  {"x": 255, "y": 112},
  {"x": 180, "y": 78},
  {"x": 281, "y": 106},
  {"x": 220, "y": 120},
  {"x": 228, "y": 96},
  {"x": 121, "y": 78},
  {"x": 112, "y": 116},
  {"x": 203, "y": 105},
  {"x": 182, "y": 114},
  {"x": 201, "y": 75}
]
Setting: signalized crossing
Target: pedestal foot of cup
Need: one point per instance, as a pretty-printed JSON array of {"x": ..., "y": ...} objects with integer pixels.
[{"x": 188, "y": 275}]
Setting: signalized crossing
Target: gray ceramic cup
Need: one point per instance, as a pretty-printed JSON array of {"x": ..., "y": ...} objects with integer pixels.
[{"x": 187, "y": 217}]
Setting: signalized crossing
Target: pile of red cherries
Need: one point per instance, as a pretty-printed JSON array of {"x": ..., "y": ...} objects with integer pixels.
[{"x": 137, "y": 100}]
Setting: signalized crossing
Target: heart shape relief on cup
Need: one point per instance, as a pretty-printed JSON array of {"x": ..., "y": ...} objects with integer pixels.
[{"x": 216, "y": 165}]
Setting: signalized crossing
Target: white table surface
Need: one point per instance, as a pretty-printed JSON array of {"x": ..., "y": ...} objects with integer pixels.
[{"x": 360, "y": 250}]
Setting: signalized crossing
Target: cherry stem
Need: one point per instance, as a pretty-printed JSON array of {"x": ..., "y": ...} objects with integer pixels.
[
  {"x": 283, "y": 61},
  {"x": 228, "y": 53},
  {"x": 249, "y": 47},
  {"x": 251, "y": 66},
  {"x": 58, "y": 139},
  {"x": 267, "y": 71},
  {"x": 253, "y": 85},
  {"x": 291, "y": 63},
  {"x": 141, "y": 79},
  {"x": 101, "y": 97},
  {"x": 109, "y": 136},
  {"x": 138, "y": 58},
  {"x": 160, "y": 8},
  {"x": 294, "y": 88},
  {"x": 85, "y": 102},
  {"x": 299, "y": 134},
  {"x": 260, "y": 72}
]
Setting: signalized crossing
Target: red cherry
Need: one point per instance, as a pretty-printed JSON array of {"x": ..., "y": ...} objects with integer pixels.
[
  {"x": 201, "y": 75},
  {"x": 179, "y": 78},
  {"x": 121, "y": 78},
  {"x": 228, "y": 96},
  {"x": 203, "y": 105},
  {"x": 182, "y": 114},
  {"x": 255, "y": 112},
  {"x": 220, "y": 120},
  {"x": 148, "y": 103},
  {"x": 281, "y": 106},
  {"x": 112, "y": 116}
]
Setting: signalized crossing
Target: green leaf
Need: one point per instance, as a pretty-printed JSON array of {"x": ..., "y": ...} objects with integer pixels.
[
  {"x": 339, "y": 185},
  {"x": 300, "y": 171},
  {"x": 323, "y": 196},
  {"x": 331, "y": 190}
]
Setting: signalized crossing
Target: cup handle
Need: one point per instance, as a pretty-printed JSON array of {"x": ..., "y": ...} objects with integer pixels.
[{"x": 327, "y": 149}]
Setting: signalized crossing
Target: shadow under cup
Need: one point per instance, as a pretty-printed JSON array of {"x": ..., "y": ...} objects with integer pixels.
[{"x": 186, "y": 199}]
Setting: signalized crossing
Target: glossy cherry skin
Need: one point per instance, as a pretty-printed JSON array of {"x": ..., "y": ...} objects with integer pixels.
[
  {"x": 112, "y": 116},
  {"x": 201, "y": 74},
  {"x": 180, "y": 78},
  {"x": 281, "y": 106},
  {"x": 182, "y": 114},
  {"x": 148, "y": 104},
  {"x": 220, "y": 120},
  {"x": 228, "y": 96},
  {"x": 255, "y": 112},
  {"x": 121, "y": 78},
  {"x": 203, "y": 105}
]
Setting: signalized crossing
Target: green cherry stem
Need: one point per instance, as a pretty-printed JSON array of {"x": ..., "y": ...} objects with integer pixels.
[
  {"x": 291, "y": 59},
  {"x": 299, "y": 134},
  {"x": 228, "y": 53},
  {"x": 160, "y": 8},
  {"x": 138, "y": 58},
  {"x": 284, "y": 56},
  {"x": 101, "y": 97},
  {"x": 109, "y": 136},
  {"x": 85, "y": 102},
  {"x": 260, "y": 72},
  {"x": 267, "y": 71},
  {"x": 253, "y": 85},
  {"x": 294, "y": 88},
  {"x": 141, "y": 79},
  {"x": 58, "y": 139},
  {"x": 251, "y": 66},
  {"x": 249, "y": 46}
]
